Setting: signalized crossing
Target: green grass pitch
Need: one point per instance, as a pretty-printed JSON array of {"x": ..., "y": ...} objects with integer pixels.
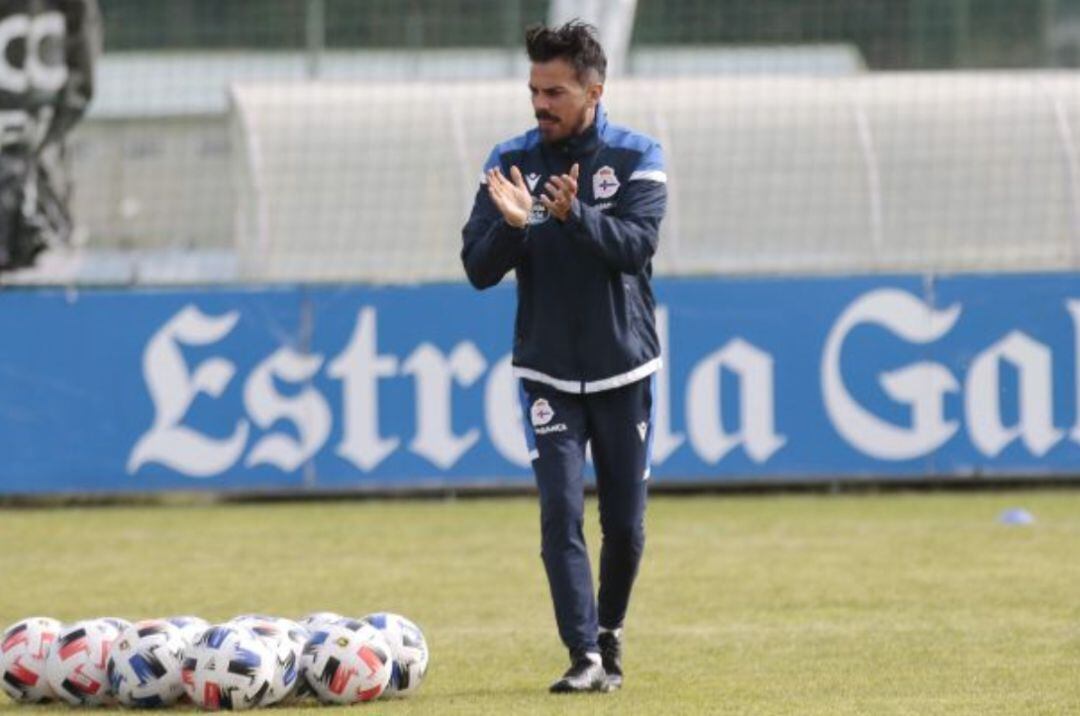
[{"x": 891, "y": 604}]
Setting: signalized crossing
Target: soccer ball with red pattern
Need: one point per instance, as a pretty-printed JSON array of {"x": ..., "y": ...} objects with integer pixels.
[
  {"x": 24, "y": 648},
  {"x": 408, "y": 648},
  {"x": 347, "y": 662},
  {"x": 77, "y": 662},
  {"x": 227, "y": 668}
]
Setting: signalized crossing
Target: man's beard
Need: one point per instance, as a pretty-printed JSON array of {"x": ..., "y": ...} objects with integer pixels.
[{"x": 579, "y": 125}]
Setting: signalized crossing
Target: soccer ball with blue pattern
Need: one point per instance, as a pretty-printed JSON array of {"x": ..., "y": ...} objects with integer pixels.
[
  {"x": 347, "y": 662},
  {"x": 409, "y": 649},
  {"x": 312, "y": 623},
  {"x": 144, "y": 665},
  {"x": 227, "y": 668},
  {"x": 285, "y": 639},
  {"x": 24, "y": 647}
]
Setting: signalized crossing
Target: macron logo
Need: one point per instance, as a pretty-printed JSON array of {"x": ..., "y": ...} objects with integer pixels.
[{"x": 532, "y": 180}]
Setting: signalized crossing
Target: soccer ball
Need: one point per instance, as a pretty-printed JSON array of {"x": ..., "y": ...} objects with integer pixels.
[
  {"x": 144, "y": 665},
  {"x": 227, "y": 667},
  {"x": 24, "y": 647},
  {"x": 190, "y": 627},
  {"x": 312, "y": 623},
  {"x": 76, "y": 667},
  {"x": 316, "y": 620},
  {"x": 285, "y": 639},
  {"x": 347, "y": 662},
  {"x": 409, "y": 649}
]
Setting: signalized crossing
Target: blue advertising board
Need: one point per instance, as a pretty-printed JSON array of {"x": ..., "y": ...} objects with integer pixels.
[{"x": 332, "y": 388}]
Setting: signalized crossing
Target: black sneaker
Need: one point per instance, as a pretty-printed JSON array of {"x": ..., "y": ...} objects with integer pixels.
[
  {"x": 583, "y": 675},
  {"x": 611, "y": 657}
]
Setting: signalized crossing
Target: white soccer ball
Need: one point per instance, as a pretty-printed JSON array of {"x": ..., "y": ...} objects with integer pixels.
[
  {"x": 144, "y": 665},
  {"x": 24, "y": 648},
  {"x": 285, "y": 639},
  {"x": 76, "y": 667},
  {"x": 312, "y": 623},
  {"x": 409, "y": 649},
  {"x": 316, "y": 620},
  {"x": 190, "y": 627},
  {"x": 227, "y": 667},
  {"x": 347, "y": 662}
]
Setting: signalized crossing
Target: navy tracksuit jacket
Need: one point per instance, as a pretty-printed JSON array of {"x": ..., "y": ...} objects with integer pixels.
[{"x": 585, "y": 349}]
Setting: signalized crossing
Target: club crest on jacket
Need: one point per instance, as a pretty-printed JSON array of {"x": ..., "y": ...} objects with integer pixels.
[{"x": 604, "y": 183}]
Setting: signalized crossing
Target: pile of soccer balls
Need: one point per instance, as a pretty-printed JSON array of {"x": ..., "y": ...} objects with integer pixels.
[{"x": 247, "y": 662}]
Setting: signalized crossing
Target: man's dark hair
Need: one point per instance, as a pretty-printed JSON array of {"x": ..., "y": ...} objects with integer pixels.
[{"x": 574, "y": 42}]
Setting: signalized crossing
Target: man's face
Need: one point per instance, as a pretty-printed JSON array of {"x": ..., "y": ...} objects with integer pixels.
[{"x": 562, "y": 104}]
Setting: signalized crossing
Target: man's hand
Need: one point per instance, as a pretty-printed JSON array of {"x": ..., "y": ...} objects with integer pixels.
[
  {"x": 561, "y": 191},
  {"x": 511, "y": 198}
]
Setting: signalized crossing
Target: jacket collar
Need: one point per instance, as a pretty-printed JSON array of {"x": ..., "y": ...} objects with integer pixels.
[{"x": 587, "y": 141}]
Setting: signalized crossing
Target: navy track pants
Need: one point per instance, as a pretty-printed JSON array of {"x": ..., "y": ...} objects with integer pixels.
[{"x": 619, "y": 425}]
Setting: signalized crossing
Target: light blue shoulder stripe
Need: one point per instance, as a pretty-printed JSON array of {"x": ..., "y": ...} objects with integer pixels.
[
  {"x": 652, "y": 157},
  {"x": 521, "y": 143},
  {"x": 651, "y": 161},
  {"x": 625, "y": 138}
]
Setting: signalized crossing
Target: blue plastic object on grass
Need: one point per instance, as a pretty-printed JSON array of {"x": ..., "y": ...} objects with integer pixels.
[{"x": 1016, "y": 516}]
